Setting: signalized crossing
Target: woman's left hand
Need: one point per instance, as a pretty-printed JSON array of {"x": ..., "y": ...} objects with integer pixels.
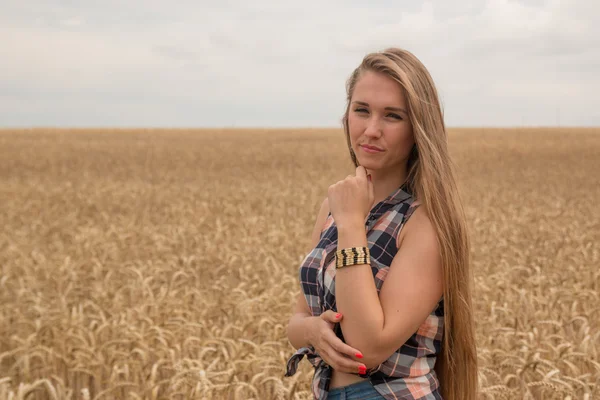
[{"x": 351, "y": 199}]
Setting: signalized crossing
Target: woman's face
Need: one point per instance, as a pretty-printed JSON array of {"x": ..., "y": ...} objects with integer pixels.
[{"x": 378, "y": 118}]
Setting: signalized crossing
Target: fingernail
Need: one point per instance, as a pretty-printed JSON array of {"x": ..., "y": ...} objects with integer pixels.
[
  {"x": 338, "y": 315},
  {"x": 359, "y": 355},
  {"x": 369, "y": 176},
  {"x": 362, "y": 370}
]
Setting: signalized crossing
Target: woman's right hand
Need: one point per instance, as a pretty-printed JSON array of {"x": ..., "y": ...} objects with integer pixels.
[{"x": 330, "y": 348}]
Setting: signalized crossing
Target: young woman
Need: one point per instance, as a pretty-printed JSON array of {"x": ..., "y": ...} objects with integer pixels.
[{"x": 386, "y": 309}]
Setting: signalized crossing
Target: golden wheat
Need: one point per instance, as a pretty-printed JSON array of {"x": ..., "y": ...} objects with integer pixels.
[{"x": 152, "y": 264}]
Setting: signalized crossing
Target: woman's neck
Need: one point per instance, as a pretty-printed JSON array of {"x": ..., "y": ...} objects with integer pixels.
[{"x": 385, "y": 183}]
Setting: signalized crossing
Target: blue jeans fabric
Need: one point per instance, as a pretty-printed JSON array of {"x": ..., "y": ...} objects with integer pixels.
[{"x": 357, "y": 391}]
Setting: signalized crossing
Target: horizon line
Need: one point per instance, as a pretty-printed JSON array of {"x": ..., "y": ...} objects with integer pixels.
[{"x": 301, "y": 127}]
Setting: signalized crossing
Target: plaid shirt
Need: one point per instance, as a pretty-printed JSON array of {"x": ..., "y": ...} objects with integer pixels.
[{"x": 408, "y": 373}]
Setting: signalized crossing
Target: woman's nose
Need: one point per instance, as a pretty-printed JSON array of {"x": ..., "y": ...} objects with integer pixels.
[{"x": 373, "y": 128}]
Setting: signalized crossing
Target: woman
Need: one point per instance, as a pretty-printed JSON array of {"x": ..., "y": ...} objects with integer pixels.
[{"x": 386, "y": 305}]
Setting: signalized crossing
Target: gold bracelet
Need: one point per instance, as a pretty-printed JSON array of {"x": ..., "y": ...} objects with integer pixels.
[{"x": 352, "y": 256}]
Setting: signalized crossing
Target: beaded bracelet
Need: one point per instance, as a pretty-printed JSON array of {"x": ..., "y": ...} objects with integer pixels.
[{"x": 352, "y": 256}]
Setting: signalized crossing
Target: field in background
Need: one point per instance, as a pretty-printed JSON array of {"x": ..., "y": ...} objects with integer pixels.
[{"x": 162, "y": 264}]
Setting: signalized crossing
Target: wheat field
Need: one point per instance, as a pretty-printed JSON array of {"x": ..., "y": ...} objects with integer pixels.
[{"x": 161, "y": 264}]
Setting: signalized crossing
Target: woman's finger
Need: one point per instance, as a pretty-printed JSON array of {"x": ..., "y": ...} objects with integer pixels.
[
  {"x": 339, "y": 362},
  {"x": 331, "y": 316},
  {"x": 341, "y": 347}
]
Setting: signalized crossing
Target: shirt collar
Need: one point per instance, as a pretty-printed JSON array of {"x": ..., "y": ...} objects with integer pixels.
[{"x": 399, "y": 195}]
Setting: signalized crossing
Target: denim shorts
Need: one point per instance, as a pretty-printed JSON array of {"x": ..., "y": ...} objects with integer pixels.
[{"x": 356, "y": 391}]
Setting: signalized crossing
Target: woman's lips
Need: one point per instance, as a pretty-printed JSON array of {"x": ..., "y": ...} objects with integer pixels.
[{"x": 371, "y": 150}]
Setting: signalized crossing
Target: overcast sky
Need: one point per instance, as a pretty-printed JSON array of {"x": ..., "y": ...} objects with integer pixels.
[{"x": 284, "y": 63}]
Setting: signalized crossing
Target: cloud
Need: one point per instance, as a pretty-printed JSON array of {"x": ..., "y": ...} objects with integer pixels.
[{"x": 226, "y": 63}]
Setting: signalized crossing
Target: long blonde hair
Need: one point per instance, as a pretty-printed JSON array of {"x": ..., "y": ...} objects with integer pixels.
[{"x": 431, "y": 180}]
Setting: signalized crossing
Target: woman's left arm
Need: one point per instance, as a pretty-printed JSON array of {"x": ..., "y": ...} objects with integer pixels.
[{"x": 412, "y": 288}]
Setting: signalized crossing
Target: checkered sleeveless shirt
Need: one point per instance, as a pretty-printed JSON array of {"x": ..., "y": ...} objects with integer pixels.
[{"x": 408, "y": 373}]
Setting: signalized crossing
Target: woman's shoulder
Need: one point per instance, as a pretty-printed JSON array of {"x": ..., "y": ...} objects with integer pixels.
[
  {"x": 324, "y": 206},
  {"x": 320, "y": 220},
  {"x": 416, "y": 223}
]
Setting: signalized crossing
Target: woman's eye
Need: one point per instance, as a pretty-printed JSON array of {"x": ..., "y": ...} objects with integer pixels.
[{"x": 364, "y": 110}]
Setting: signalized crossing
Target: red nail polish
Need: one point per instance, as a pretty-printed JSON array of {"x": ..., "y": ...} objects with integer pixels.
[
  {"x": 359, "y": 355},
  {"x": 362, "y": 370},
  {"x": 338, "y": 315}
]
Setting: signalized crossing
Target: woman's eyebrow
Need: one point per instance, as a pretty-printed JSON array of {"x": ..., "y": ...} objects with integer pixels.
[{"x": 362, "y": 103}]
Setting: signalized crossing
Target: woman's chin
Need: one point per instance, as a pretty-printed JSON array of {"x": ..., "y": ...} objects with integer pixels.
[{"x": 368, "y": 164}]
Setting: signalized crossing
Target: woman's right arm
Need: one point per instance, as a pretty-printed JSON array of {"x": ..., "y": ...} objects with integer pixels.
[
  {"x": 304, "y": 330},
  {"x": 297, "y": 329}
]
